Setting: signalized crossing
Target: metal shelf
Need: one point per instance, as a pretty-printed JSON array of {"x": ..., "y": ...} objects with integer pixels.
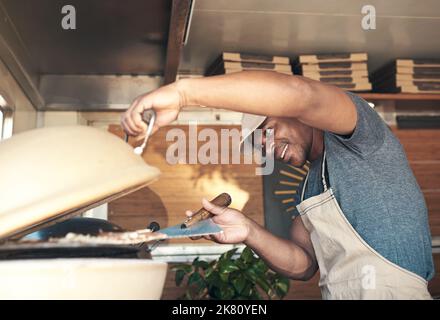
[{"x": 400, "y": 96}]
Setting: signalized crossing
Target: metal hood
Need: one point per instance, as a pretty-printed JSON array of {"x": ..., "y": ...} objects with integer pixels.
[
  {"x": 118, "y": 49},
  {"x": 121, "y": 49}
]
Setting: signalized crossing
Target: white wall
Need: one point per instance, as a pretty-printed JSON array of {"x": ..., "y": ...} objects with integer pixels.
[
  {"x": 103, "y": 119},
  {"x": 59, "y": 118},
  {"x": 25, "y": 116},
  {"x": 67, "y": 118}
]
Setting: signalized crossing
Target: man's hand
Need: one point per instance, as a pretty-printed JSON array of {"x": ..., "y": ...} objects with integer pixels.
[
  {"x": 236, "y": 226},
  {"x": 166, "y": 101},
  {"x": 293, "y": 258}
]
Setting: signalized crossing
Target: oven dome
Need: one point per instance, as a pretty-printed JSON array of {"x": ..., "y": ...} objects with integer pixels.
[{"x": 54, "y": 172}]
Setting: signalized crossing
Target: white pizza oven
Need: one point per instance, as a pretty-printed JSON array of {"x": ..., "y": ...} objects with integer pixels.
[{"x": 48, "y": 176}]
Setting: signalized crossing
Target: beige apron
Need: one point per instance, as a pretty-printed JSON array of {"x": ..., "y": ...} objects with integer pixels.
[{"x": 349, "y": 267}]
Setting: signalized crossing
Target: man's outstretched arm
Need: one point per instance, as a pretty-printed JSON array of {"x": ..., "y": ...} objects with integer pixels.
[{"x": 267, "y": 93}]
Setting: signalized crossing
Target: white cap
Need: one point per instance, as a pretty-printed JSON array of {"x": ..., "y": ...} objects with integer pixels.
[{"x": 249, "y": 123}]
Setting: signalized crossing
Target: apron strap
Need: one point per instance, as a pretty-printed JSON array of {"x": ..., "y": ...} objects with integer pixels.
[
  {"x": 304, "y": 186},
  {"x": 324, "y": 182}
]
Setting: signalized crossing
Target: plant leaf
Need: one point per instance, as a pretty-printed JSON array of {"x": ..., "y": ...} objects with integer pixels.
[
  {"x": 227, "y": 266},
  {"x": 187, "y": 268},
  {"x": 254, "y": 295},
  {"x": 188, "y": 295},
  {"x": 214, "y": 280},
  {"x": 201, "y": 264},
  {"x": 247, "y": 255},
  {"x": 260, "y": 267},
  {"x": 224, "y": 277},
  {"x": 180, "y": 274},
  {"x": 239, "y": 283},
  {"x": 265, "y": 285},
  {"x": 214, "y": 293},
  {"x": 282, "y": 286},
  {"x": 229, "y": 278},
  {"x": 247, "y": 291},
  {"x": 209, "y": 271},
  {"x": 240, "y": 263},
  {"x": 261, "y": 281},
  {"x": 194, "y": 278},
  {"x": 228, "y": 254},
  {"x": 226, "y": 293},
  {"x": 250, "y": 273}
]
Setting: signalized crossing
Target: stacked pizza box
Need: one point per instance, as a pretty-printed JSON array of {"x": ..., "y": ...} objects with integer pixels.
[
  {"x": 348, "y": 71},
  {"x": 188, "y": 75},
  {"x": 408, "y": 76},
  {"x": 229, "y": 62}
]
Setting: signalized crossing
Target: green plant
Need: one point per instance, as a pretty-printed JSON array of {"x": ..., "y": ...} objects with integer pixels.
[{"x": 227, "y": 278}]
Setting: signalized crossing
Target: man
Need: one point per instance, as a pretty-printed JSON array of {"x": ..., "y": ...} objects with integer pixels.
[{"x": 363, "y": 220}]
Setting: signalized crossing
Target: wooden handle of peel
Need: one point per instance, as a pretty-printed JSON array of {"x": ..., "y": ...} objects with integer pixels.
[{"x": 222, "y": 200}]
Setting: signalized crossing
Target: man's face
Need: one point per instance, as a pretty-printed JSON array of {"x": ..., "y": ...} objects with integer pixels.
[{"x": 292, "y": 139}]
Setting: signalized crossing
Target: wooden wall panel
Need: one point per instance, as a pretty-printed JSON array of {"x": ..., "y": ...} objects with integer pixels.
[
  {"x": 182, "y": 186},
  {"x": 433, "y": 202},
  {"x": 170, "y": 290},
  {"x": 422, "y": 147},
  {"x": 427, "y": 174},
  {"x": 420, "y": 144},
  {"x": 434, "y": 284},
  {"x": 300, "y": 290}
]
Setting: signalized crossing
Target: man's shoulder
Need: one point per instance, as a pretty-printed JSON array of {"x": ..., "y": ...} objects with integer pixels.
[{"x": 369, "y": 135}]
